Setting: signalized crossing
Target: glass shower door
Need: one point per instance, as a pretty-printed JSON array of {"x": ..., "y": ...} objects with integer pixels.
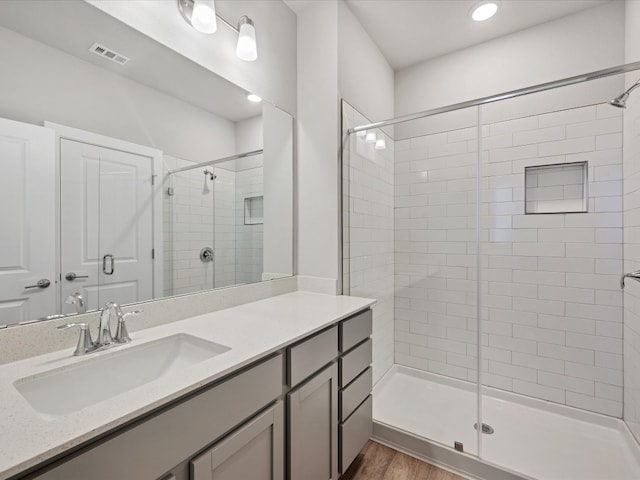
[
  {"x": 551, "y": 253},
  {"x": 411, "y": 231}
]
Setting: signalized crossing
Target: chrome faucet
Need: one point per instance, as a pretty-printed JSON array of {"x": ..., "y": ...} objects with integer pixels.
[
  {"x": 77, "y": 300},
  {"x": 105, "y": 338},
  {"x": 104, "y": 332}
]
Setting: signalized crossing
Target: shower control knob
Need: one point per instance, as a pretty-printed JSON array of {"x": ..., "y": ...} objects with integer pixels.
[{"x": 206, "y": 254}]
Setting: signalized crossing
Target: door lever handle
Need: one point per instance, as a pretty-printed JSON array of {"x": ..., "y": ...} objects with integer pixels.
[
  {"x": 71, "y": 276},
  {"x": 42, "y": 283}
]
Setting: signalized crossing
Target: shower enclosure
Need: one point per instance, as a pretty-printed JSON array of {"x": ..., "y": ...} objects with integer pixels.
[
  {"x": 213, "y": 220},
  {"x": 491, "y": 234}
]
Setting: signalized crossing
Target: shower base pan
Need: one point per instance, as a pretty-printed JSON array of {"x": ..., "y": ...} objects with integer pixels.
[{"x": 425, "y": 414}]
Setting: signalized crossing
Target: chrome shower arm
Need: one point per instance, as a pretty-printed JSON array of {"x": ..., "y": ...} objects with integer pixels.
[{"x": 635, "y": 275}]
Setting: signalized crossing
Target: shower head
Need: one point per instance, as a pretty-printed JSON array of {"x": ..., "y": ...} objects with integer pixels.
[
  {"x": 210, "y": 174},
  {"x": 621, "y": 100}
]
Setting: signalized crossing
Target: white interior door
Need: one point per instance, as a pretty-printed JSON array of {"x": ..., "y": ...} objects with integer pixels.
[
  {"x": 27, "y": 219},
  {"x": 106, "y": 224}
]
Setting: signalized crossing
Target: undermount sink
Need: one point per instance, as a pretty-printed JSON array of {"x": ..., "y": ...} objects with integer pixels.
[{"x": 69, "y": 389}]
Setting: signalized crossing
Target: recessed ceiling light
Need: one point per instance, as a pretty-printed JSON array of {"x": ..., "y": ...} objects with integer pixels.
[
  {"x": 484, "y": 10},
  {"x": 254, "y": 98}
]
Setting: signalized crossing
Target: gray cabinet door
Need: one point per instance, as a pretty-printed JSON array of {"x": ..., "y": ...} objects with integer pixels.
[
  {"x": 254, "y": 451},
  {"x": 313, "y": 420}
]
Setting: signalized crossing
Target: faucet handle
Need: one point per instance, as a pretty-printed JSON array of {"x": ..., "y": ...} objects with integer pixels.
[
  {"x": 122, "y": 336},
  {"x": 77, "y": 300},
  {"x": 85, "y": 343}
]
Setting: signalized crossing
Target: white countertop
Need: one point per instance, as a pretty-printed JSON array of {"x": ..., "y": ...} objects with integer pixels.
[{"x": 252, "y": 331}]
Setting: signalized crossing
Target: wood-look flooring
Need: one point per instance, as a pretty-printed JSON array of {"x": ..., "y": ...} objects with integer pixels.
[{"x": 378, "y": 462}]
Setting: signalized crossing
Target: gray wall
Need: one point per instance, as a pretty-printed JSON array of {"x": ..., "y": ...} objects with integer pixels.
[{"x": 47, "y": 84}]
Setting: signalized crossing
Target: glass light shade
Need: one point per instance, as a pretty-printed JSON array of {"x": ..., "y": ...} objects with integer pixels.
[
  {"x": 370, "y": 137},
  {"x": 361, "y": 133},
  {"x": 252, "y": 97},
  {"x": 247, "y": 49},
  {"x": 203, "y": 17},
  {"x": 381, "y": 144},
  {"x": 484, "y": 11}
]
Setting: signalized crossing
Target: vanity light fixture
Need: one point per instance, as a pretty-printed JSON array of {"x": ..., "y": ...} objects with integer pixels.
[
  {"x": 246, "y": 49},
  {"x": 484, "y": 10},
  {"x": 201, "y": 15},
  {"x": 252, "y": 97},
  {"x": 381, "y": 144},
  {"x": 370, "y": 137},
  {"x": 361, "y": 133}
]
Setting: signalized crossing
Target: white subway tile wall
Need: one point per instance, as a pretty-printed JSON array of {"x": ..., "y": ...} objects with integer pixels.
[
  {"x": 224, "y": 244},
  {"x": 249, "y": 238},
  {"x": 189, "y": 211},
  {"x": 199, "y": 213},
  {"x": 368, "y": 228},
  {"x": 631, "y": 263},
  {"x": 550, "y": 302}
]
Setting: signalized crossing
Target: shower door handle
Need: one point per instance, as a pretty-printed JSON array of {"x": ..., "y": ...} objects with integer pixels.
[{"x": 109, "y": 257}]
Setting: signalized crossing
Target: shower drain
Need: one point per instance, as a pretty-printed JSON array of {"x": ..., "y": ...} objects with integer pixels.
[{"x": 486, "y": 428}]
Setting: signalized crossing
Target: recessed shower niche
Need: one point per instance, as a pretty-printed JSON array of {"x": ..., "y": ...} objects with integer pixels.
[{"x": 559, "y": 188}]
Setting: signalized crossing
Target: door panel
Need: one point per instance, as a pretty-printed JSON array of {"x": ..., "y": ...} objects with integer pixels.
[
  {"x": 27, "y": 216},
  {"x": 126, "y": 227},
  {"x": 313, "y": 420},
  {"x": 79, "y": 221},
  {"x": 106, "y": 225},
  {"x": 255, "y": 451}
]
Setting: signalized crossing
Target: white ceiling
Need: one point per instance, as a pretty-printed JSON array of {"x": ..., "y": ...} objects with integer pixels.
[
  {"x": 74, "y": 26},
  {"x": 412, "y": 31}
]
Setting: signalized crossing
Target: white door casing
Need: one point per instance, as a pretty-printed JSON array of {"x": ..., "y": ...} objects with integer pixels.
[{"x": 27, "y": 219}]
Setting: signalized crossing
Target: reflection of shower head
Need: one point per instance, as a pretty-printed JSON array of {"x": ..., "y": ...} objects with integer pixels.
[
  {"x": 208, "y": 175},
  {"x": 621, "y": 100}
]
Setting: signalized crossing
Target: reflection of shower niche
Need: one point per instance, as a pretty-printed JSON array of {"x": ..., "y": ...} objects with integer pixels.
[
  {"x": 253, "y": 211},
  {"x": 560, "y": 188}
]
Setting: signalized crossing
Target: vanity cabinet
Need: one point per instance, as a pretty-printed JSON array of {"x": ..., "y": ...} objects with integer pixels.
[
  {"x": 312, "y": 407},
  {"x": 255, "y": 451},
  {"x": 313, "y": 420},
  {"x": 330, "y": 412},
  {"x": 355, "y": 377},
  {"x": 303, "y": 413},
  {"x": 152, "y": 447}
]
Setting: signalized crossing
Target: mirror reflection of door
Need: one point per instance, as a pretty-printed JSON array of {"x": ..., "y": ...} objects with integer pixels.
[
  {"x": 110, "y": 219},
  {"x": 27, "y": 216},
  {"x": 106, "y": 225}
]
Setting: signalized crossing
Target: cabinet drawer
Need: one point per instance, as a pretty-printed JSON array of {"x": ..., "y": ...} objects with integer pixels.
[
  {"x": 311, "y": 355},
  {"x": 156, "y": 445},
  {"x": 355, "y": 432},
  {"x": 355, "y": 393},
  {"x": 355, "y": 329},
  {"x": 354, "y": 362}
]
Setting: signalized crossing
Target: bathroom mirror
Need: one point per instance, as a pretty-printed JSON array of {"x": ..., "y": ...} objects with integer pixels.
[{"x": 130, "y": 173}]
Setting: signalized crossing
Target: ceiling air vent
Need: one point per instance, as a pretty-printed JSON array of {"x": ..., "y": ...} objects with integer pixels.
[{"x": 108, "y": 53}]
